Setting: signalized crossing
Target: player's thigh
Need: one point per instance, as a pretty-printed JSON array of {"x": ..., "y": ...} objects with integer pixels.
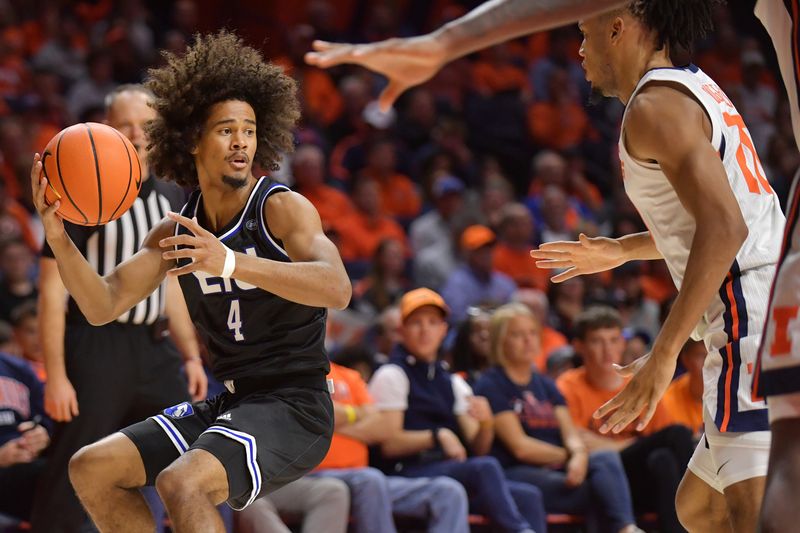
[
  {"x": 267, "y": 440},
  {"x": 113, "y": 460},
  {"x": 166, "y": 436}
]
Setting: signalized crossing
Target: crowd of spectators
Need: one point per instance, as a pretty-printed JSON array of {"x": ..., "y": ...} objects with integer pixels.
[{"x": 448, "y": 191}]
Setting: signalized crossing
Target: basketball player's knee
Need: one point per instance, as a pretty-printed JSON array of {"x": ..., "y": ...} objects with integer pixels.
[
  {"x": 89, "y": 467},
  {"x": 171, "y": 484}
]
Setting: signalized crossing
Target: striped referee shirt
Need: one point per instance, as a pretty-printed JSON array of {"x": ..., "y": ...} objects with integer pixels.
[{"x": 106, "y": 246}]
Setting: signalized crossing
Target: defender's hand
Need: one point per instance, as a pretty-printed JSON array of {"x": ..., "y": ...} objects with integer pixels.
[
  {"x": 651, "y": 377},
  {"x": 406, "y": 62},
  {"x": 584, "y": 256}
]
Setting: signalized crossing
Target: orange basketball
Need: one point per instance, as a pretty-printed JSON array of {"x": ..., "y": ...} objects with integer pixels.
[{"x": 95, "y": 172}]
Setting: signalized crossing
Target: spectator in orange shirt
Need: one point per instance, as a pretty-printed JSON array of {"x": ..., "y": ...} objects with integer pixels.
[
  {"x": 550, "y": 338},
  {"x": 512, "y": 255},
  {"x": 399, "y": 195},
  {"x": 367, "y": 226},
  {"x": 308, "y": 171},
  {"x": 558, "y": 122},
  {"x": 684, "y": 397},
  {"x": 375, "y": 497},
  {"x": 654, "y": 459}
]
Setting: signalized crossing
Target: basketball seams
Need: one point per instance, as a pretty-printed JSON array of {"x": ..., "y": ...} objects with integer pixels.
[
  {"x": 97, "y": 173},
  {"x": 63, "y": 184},
  {"x": 130, "y": 175}
]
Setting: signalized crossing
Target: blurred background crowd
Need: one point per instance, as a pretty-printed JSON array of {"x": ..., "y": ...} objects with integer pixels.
[{"x": 450, "y": 190}]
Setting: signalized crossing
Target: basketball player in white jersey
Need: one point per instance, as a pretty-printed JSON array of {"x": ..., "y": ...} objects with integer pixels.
[{"x": 408, "y": 62}]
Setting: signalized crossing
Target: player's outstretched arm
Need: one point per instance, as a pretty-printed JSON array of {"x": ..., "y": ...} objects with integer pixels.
[
  {"x": 589, "y": 255},
  {"x": 101, "y": 299},
  {"x": 409, "y": 62},
  {"x": 695, "y": 171},
  {"x": 316, "y": 275}
]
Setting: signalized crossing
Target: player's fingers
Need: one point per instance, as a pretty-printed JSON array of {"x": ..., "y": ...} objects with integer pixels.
[
  {"x": 648, "y": 415},
  {"x": 549, "y": 254},
  {"x": 552, "y": 263},
  {"x": 189, "y": 223},
  {"x": 624, "y": 416},
  {"x": 73, "y": 407},
  {"x": 179, "y": 240},
  {"x": 584, "y": 240},
  {"x": 320, "y": 46},
  {"x": 563, "y": 246},
  {"x": 564, "y": 276},
  {"x": 389, "y": 95},
  {"x": 183, "y": 253},
  {"x": 335, "y": 55},
  {"x": 186, "y": 269},
  {"x": 609, "y": 406}
]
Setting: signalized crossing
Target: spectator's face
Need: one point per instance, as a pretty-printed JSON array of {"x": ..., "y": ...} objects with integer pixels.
[
  {"x": 521, "y": 342},
  {"x": 479, "y": 338},
  {"x": 519, "y": 229},
  {"x": 367, "y": 197},
  {"x": 227, "y": 145},
  {"x": 16, "y": 262},
  {"x": 450, "y": 204},
  {"x": 129, "y": 112},
  {"x": 26, "y": 334},
  {"x": 423, "y": 332},
  {"x": 393, "y": 258},
  {"x": 554, "y": 208},
  {"x": 382, "y": 158},
  {"x": 601, "y": 349},
  {"x": 551, "y": 170},
  {"x": 391, "y": 330},
  {"x": 481, "y": 259},
  {"x": 308, "y": 167}
]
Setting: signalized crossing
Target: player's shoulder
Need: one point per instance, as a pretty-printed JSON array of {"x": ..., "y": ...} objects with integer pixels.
[{"x": 661, "y": 100}]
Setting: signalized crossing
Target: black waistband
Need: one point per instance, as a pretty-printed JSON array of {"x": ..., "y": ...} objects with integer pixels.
[{"x": 247, "y": 385}]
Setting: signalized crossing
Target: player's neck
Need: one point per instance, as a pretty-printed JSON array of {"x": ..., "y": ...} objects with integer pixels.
[
  {"x": 221, "y": 202},
  {"x": 640, "y": 65}
]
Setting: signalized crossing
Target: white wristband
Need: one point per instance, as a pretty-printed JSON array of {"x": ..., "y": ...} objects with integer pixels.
[{"x": 230, "y": 263}]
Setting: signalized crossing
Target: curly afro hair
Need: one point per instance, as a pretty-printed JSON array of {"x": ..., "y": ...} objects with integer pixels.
[
  {"x": 217, "y": 68},
  {"x": 678, "y": 23}
]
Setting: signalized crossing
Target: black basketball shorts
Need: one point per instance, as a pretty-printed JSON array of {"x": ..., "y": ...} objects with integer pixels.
[{"x": 264, "y": 439}]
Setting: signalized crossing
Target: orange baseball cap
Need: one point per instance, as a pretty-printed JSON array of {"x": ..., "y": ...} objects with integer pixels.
[
  {"x": 413, "y": 300},
  {"x": 476, "y": 236}
]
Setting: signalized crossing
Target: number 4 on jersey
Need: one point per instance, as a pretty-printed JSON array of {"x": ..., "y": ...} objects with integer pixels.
[{"x": 235, "y": 320}]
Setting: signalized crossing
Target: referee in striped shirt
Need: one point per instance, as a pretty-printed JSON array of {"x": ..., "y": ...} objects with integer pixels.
[{"x": 100, "y": 379}]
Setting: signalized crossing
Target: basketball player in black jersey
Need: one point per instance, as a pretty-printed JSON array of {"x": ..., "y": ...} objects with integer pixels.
[{"x": 257, "y": 272}]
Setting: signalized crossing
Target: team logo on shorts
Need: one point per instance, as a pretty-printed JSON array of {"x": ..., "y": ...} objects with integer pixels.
[{"x": 182, "y": 410}]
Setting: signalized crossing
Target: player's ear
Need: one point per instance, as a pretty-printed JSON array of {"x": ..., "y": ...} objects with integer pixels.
[{"x": 617, "y": 27}]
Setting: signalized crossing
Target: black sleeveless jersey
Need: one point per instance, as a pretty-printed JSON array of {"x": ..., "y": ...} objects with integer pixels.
[{"x": 249, "y": 331}]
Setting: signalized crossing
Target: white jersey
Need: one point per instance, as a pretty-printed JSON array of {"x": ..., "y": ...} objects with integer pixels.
[
  {"x": 778, "y": 370},
  {"x": 732, "y": 325}
]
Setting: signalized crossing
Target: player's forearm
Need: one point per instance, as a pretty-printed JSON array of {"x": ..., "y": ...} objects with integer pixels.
[
  {"x": 407, "y": 442},
  {"x": 89, "y": 290},
  {"x": 313, "y": 283},
  {"x": 498, "y": 21},
  {"x": 639, "y": 247},
  {"x": 713, "y": 250}
]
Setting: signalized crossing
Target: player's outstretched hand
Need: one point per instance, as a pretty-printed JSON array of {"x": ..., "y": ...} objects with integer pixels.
[
  {"x": 206, "y": 252},
  {"x": 406, "y": 62},
  {"x": 587, "y": 255},
  {"x": 53, "y": 225},
  {"x": 651, "y": 377}
]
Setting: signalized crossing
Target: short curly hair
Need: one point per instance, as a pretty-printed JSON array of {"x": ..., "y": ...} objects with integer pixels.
[{"x": 218, "y": 67}]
